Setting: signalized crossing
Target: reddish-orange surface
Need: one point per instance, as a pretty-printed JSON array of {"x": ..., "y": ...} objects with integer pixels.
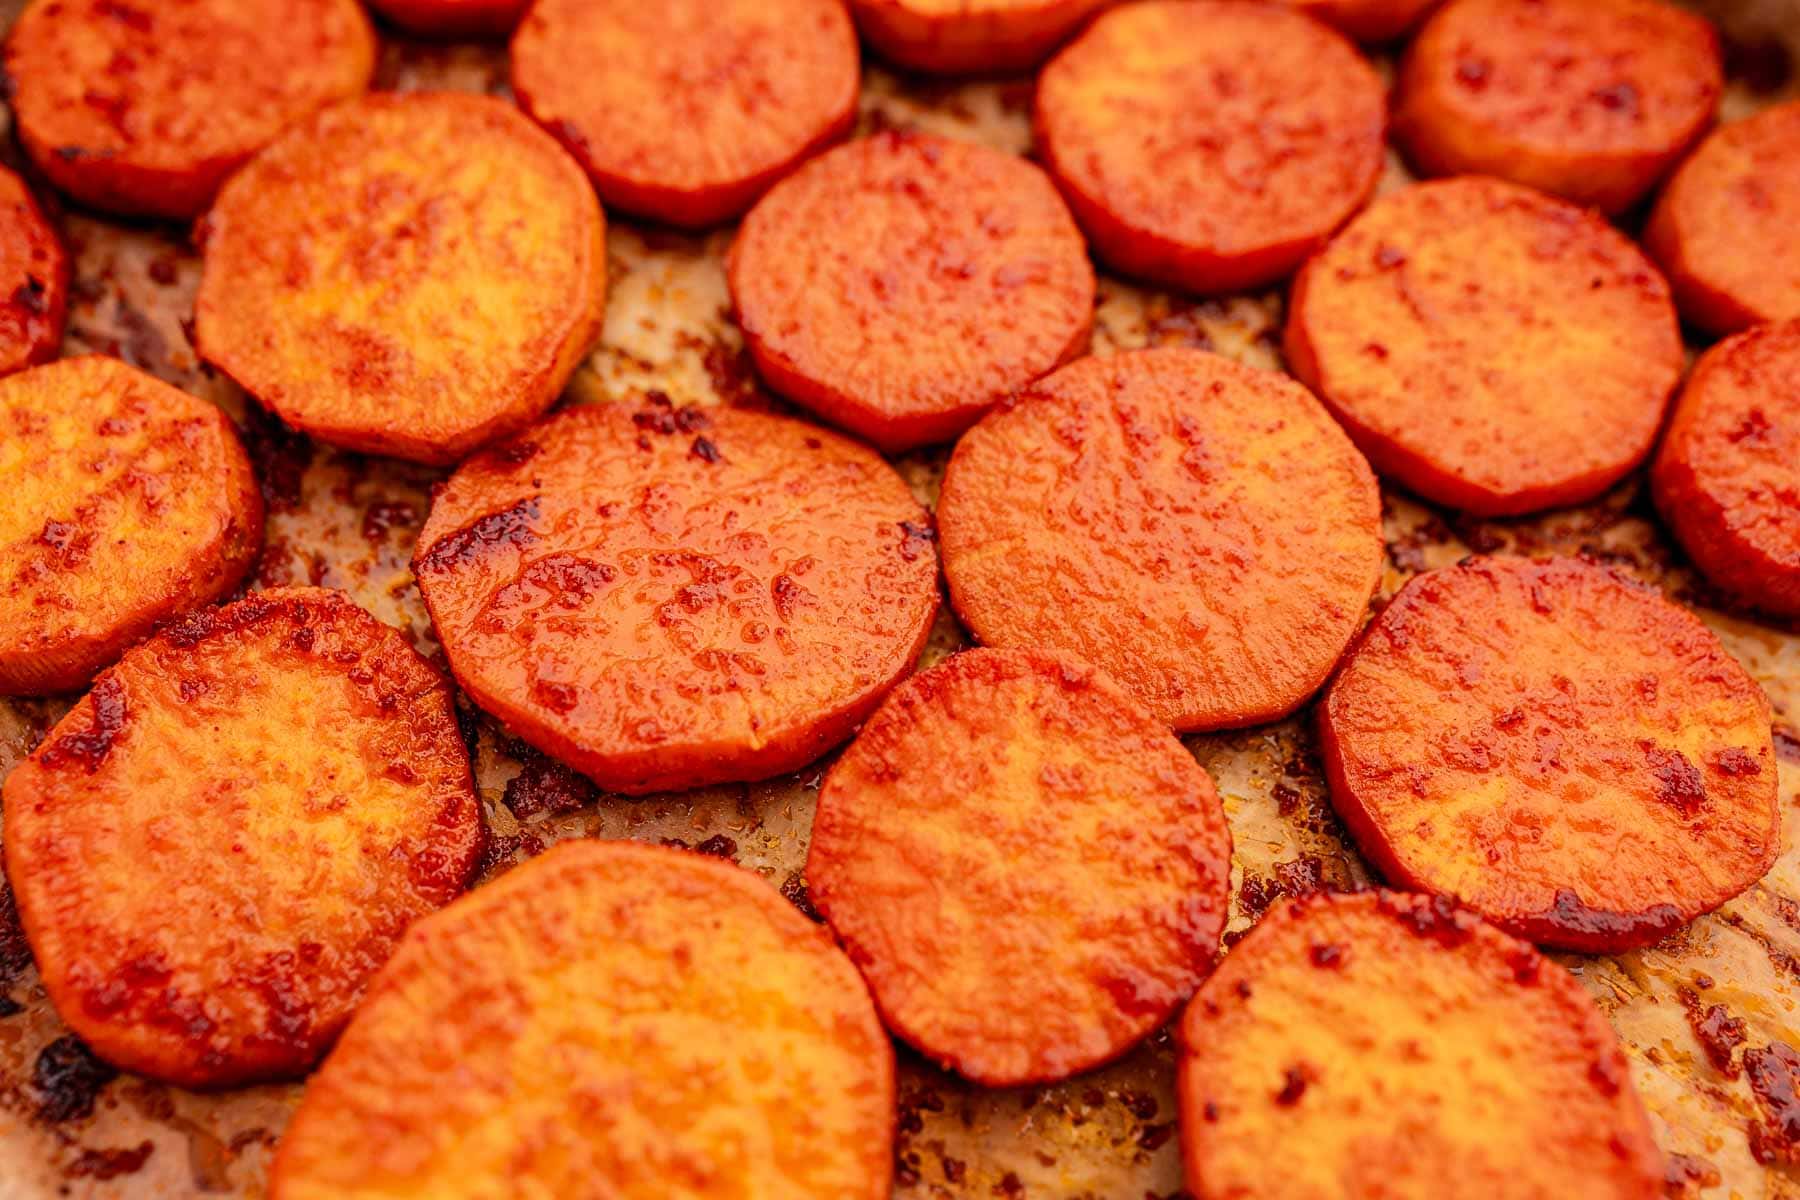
[
  {"x": 454, "y": 18},
  {"x": 1368, "y": 20},
  {"x": 218, "y": 846},
  {"x": 1030, "y": 871},
  {"x": 125, "y": 503},
  {"x": 687, "y": 110},
  {"x": 665, "y": 598},
  {"x": 1451, "y": 326},
  {"x": 1385, "y": 1046},
  {"x": 901, "y": 284},
  {"x": 1198, "y": 529},
  {"x": 1565, "y": 751},
  {"x": 1592, "y": 100},
  {"x": 34, "y": 279},
  {"x": 412, "y": 275},
  {"x": 146, "y": 107},
  {"x": 1178, "y": 133},
  {"x": 608, "y": 1020},
  {"x": 1727, "y": 478},
  {"x": 957, "y": 36},
  {"x": 1727, "y": 228}
]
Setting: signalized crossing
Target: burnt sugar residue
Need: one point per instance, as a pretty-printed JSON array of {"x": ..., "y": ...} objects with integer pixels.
[
  {"x": 545, "y": 785},
  {"x": 508, "y": 527},
  {"x": 68, "y": 1078},
  {"x": 1774, "y": 1072},
  {"x": 1684, "y": 1175},
  {"x": 88, "y": 747},
  {"x": 1718, "y": 1032}
]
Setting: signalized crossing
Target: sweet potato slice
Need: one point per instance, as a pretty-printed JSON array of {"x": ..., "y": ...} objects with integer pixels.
[
  {"x": 126, "y": 503},
  {"x": 1561, "y": 748},
  {"x": 1385, "y": 1046},
  {"x": 1727, "y": 478},
  {"x": 620, "y": 1020},
  {"x": 686, "y": 111},
  {"x": 1201, "y": 531},
  {"x": 1188, "y": 154},
  {"x": 454, "y": 18},
  {"x": 1727, "y": 228},
  {"x": 218, "y": 846},
  {"x": 1591, "y": 100},
  {"x": 666, "y": 598},
  {"x": 1448, "y": 327},
  {"x": 1372, "y": 21},
  {"x": 145, "y": 108},
  {"x": 954, "y": 854},
  {"x": 34, "y": 279},
  {"x": 412, "y": 275},
  {"x": 901, "y": 284},
  {"x": 962, "y": 36}
]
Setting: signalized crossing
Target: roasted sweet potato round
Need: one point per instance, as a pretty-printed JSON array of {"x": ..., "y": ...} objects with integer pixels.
[
  {"x": 1727, "y": 228},
  {"x": 1727, "y": 479},
  {"x": 1188, "y": 154},
  {"x": 665, "y": 598},
  {"x": 686, "y": 111},
  {"x": 146, "y": 108},
  {"x": 620, "y": 1020},
  {"x": 1449, "y": 325},
  {"x": 962, "y": 36},
  {"x": 454, "y": 18},
  {"x": 954, "y": 854},
  {"x": 1368, "y": 20},
  {"x": 411, "y": 275},
  {"x": 901, "y": 284},
  {"x": 1561, "y": 748},
  {"x": 1199, "y": 530},
  {"x": 1384, "y": 1046},
  {"x": 126, "y": 503},
  {"x": 1592, "y": 100},
  {"x": 217, "y": 847},
  {"x": 34, "y": 279}
]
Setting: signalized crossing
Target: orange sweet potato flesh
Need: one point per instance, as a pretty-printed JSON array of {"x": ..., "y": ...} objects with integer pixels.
[
  {"x": 1591, "y": 100},
  {"x": 454, "y": 18},
  {"x": 411, "y": 275},
  {"x": 964, "y": 36},
  {"x": 1199, "y": 530},
  {"x": 1727, "y": 478},
  {"x": 1565, "y": 751},
  {"x": 1188, "y": 155},
  {"x": 1724, "y": 228},
  {"x": 34, "y": 279},
  {"x": 1448, "y": 326},
  {"x": 1387, "y": 1046},
  {"x": 1370, "y": 21},
  {"x": 620, "y": 1020},
  {"x": 126, "y": 503},
  {"x": 217, "y": 847},
  {"x": 955, "y": 856},
  {"x": 667, "y": 598},
  {"x": 685, "y": 111},
  {"x": 145, "y": 108},
  {"x": 901, "y": 284}
]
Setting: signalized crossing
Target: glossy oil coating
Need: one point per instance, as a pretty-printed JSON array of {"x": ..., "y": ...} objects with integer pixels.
[
  {"x": 667, "y": 598},
  {"x": 1567, "y": 752},
  {"x": 686, "y": 111},
  {"x": 901, "y": 284},
  {"x": 217, "y": 847},
  {"x": 142, "y": 107},
  {"x": 1451, "y": 327},
  {"x": 1368, "y": 20},
  {"x": 412, "y": 275},
  {"x": 1386, "y": 1046},
  {"x": 34, "y": 279},
  {"x": 126, "y": 503},
  {"x": 1199, "y": 530},
  {"x": 1727, "y": 478},
  {"x": 1727, "y": 228},
  {"x": 1188, "y": 155},
  {"x": 619, "y": 1020},
  {"x": 454, "y": 18},
  {"x": 1592, "y": 100},
  {"x": 964, "y": 36},
  {"x": 1028, "y": 868}
]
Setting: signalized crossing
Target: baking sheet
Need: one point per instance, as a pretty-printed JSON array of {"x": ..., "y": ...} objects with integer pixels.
[{"x": 70, "y": 1127}]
